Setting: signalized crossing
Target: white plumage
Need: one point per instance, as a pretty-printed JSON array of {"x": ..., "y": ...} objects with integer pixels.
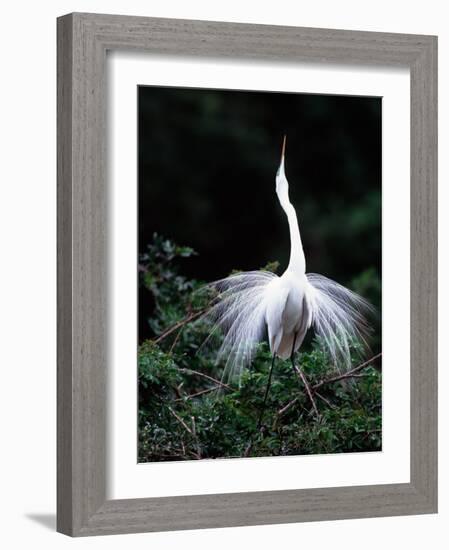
[{"x": 251, "y": 305}]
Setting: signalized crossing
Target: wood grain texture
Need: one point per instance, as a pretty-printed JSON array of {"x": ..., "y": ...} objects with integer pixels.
[
  {"x": 64, "y": 277},
  {"x": 83, "y": 40}
]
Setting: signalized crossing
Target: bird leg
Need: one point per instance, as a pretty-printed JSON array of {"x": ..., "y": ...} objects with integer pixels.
[
  {"x": 262, "y": 410},
  {"x": 304, "y": 380}
]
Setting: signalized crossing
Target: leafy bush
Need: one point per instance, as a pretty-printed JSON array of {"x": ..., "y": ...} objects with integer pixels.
[{"x": 186, "y": 412}]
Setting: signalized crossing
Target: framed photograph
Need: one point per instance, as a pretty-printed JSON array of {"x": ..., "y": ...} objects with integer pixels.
[{"x": 247, "y": 292}]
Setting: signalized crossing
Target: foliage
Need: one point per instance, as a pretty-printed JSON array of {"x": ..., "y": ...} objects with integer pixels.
[{"x": 186, "y": 413}]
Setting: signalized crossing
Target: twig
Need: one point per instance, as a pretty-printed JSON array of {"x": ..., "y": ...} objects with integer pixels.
[
  {"x": 210, "y": 378},
  {"x": 180, "y": 420},
  {"x": 196, "y": 394},
  {"x": 198, "y": 445},
  {"x": 248, "y": 449},
  {"x": 308, "y": 389},
  {"x": 191, "y": 317},
  {"x": 175, "y": 341},
  {"x": 287, "y": 407},
  {"x": 350, "y": 374},
  {"x": 178, "y": 390},
  {"x": 328, "y": 403}
]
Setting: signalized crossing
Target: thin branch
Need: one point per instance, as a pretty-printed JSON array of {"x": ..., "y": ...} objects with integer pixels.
[
  {"x": 196, "y": 394},
  {"x": 308, "y": 389},
  {"x": 178, "y": 390},
  {"x": 198, "y": 444},
  {"x": 328, "y": 403},
  {"x": 180, "y": 420},
  {"x": 207, "y": 377},
  {"x": 176, "y": 339},
  {"x": 287, "y": 407},
  {"x": 350, "y": 374},
  {"x": 190, "y": 317}
]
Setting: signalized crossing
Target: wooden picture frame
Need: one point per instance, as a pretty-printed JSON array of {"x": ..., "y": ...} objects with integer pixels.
[{"x": 83, "y": 40}]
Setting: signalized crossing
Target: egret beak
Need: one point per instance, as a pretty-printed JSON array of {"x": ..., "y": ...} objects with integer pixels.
[
  {"x": 283, "y": 147},
  {"x": 281, "y": 165}
]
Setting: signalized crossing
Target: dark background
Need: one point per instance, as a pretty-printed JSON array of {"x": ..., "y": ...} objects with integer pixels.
[{"x": 207, "y": 165}]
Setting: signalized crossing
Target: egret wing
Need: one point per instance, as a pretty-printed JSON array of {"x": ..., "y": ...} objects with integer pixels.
[
  {"x": 339, "y": 318},
  {"x": 238, "y": 315}
]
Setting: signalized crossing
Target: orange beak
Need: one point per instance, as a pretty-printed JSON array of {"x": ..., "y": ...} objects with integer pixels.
[{"x": 283, "y": 147}]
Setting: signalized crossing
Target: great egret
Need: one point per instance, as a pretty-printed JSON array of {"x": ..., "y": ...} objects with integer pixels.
[{"x": 251, "y": 304}]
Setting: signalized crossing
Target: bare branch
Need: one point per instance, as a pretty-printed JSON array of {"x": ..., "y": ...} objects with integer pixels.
[
  {"x": 196, "y": 394},
  {"x": 207, "y": 377},
  {"x": 328, "y": 403},
  {"x": 190, "y": 317},
  {"x": 308, "y": 389},
  {"x": 287, "y": 407},
  {"x": 176, "y": 339},
  {"x": 180, "y": 420},
  {"x": 198, "y": 444},
  {"x": 350, "y": 374}
]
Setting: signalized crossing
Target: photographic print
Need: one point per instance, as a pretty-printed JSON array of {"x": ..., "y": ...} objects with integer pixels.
[{"x": 259, "y": 269}]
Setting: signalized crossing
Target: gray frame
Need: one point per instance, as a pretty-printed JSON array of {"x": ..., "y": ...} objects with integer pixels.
[{"x": 83, "y": 40}]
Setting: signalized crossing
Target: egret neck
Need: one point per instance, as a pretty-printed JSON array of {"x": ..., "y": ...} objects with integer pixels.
[{"x": 297, "y": 262}]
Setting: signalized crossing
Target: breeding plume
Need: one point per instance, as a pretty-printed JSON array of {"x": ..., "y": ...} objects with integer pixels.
[{"x": 252, "y": 305}]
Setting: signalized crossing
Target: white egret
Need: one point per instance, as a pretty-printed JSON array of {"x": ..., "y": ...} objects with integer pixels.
[{"x": 253, "y": 304}]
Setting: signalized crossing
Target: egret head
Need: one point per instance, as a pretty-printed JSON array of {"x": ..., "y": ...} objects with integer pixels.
[{"x": 281, "y": 180}]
